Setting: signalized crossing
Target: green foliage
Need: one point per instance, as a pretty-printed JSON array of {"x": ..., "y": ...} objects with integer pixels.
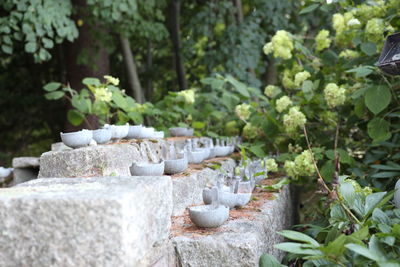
[
  {"x": 357, "y": 218},
  {"x": 102, "y": 99},
  {"x": 39, "y": 25}
]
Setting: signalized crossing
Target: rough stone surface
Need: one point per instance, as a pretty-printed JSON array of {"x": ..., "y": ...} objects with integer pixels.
[
  {"x": 97, "y": 161},
  {"x": 188, "y": 187},
  {"x": 110, "y": 221},
  {"x": 22, "y": 175},
  {"x": 25, "y": 162},
  {"x": 239, "y": 242},
  {"x": 91, "y": 161}
]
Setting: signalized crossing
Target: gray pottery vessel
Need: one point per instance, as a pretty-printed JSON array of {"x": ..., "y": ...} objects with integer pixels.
[
  {"x": 118, "y": 131},
  {"x": 4, "y": 172},
  {"x": 77, "y": 139},
  {"x": 178, "y": 131},
  {"x": 196, "y": 156},
  {"x": 147, "y": 169},
  {"x": 208, "y": 216},
  {"x": 397, "y": 195},
  {"x": 158, "y": 134},
  {"x": 146, "y": 133},
  {"x": 212, "y": 153},
  {"x": 134, "y": 131},
  {"x": 189, "y": 132},
  {"x": 101, "y": 136},
  {"x": 174, "y": 166},
  {"x": 242, "y": 199},
  {"x": 222, "y": 151},
  {"x": 207, "y": 194}
]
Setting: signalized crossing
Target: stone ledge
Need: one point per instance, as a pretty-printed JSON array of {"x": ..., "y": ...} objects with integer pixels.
[
  {"x": 111, "y": 221},
  {"x": 241, "y": 241},
  {"x": 25, "y": 162}
]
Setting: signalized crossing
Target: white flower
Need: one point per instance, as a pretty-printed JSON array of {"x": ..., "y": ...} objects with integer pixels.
[
  {"x": 294, "y": 119},
  {"x": 188, "y": 96},
  {"x": 353, "y": 22},
  {"x": 112, "y": 80},
  {"x": 243, "y": 111},
  {"x": 271, "y": 165},
  {"x": 102, "y": 94},
  {"x": 334, "y": 95},
  {"x": 300, "y": 77},
  {"x": 281, "y": 45},
  {"x": 283, "y": 103}
]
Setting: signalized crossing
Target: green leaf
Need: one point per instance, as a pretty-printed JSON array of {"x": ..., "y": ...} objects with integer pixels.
[
  {"x": 378, "y": 129},
  {"x": 385, "y": 174},
  {"x": 308, "y": 9},
  {"x": 297, "y": 248},
  {"x": 30, "y": 47},
  {"x": 51, "y": 86},
  {"x": 91, "y": 81},
  {"x": 293, "y": 235},
  {"x": 75, "y": 117},
  {"x": 377, "y": 98},
  {"x": 119, "y": 100},
  {"x": 7, "y": 49},
  {"x": 258, "y": 151},
  {"x": 239, "y": 86},
  {"x": 54, "y": 95},
  {"x": 278, "y": 185},
  {"x": 267, "y": 260},
  {"x": 198, "y": 125},
  {"x": 363, "y": 251},
  {"x": 362, "y": 71},
  {"x": 369, "y": 48},
  {"x": 372, "y": 201}
]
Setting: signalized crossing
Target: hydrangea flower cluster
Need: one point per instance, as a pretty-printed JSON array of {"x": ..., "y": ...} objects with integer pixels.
[
  {"x": 294, "y": 119},
  {"x": 357, "y": 188},
  {"x": 271, "y": 91},
  {"x": 271, "y": 165},
  {"x": 294, "y": 148},
  {"x": 188, "y": 96},
  {"x": 338, "y": 23},
  {"x": 102, "y": 94},
  {"x": 111, "y": 80},
  {"x": 283, "y": 103},
  {"x": 322, "y": 40},
  {"x": 300, "y": 77},
  {"x": 349, "y": 54},
  {"x": 334, "y": 95},
  {"x": 288, "y": 76},
  {"x": 302, "y": 165},
  {"x": 243, "y": 111},
  {"x": 374, "y": 29},
  {"x": 281, "y": 45},
  {"x": 250, "y": 131}
]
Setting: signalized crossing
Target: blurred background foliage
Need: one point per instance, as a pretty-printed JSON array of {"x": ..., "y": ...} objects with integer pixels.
[{"x": 171, "y": 45}]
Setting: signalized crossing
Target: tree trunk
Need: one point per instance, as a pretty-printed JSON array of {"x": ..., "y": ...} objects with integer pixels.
[
  {"x": 271, "y": 75},
  {"x": 149, "y": 67},
  {"x": 131, "y": 70},
  {"x": 89, "y": 47},
  {"x": 173, "y": 23},
  {"x": 239, "y": 11}
]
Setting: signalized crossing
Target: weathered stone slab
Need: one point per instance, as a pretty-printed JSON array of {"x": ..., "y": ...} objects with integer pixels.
[
  {"x": 25, "y": 162},
  {"x": 188, "y": 187},
  {"x": 110, "y": 221},
  {"x": 22, "y": 175},
  {"x": 240, "y": 241},
  {"x": 91, "y": 161}
]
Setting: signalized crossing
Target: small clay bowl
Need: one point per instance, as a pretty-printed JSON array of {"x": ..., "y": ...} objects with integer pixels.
[
  {"x": 5, "y": 172},
  {"x": 178, "y": 131},
  {"x": 196, "y": 156},
  {"x": 77, "y": 139},
  {"x": 134, "y": 131},
  {"x": 208, "y": 216},
  {"x": 174, "y": 166},
  {"x": 101, "y": 136},
  {"x": 146, "y": 133},
  {"x": 147, "y": 169},
  {"x": 158, "y": 134},
  {"x": 118, "y": 131}
]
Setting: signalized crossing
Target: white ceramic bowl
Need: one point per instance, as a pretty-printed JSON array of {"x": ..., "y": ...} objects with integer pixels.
[
  {"x": 77, "y": 139},
  {"x": 174, "y": 166},
  {"x": 147, "y": 169},
  {"x": 146, "y": 133},
  {"x": 118, "y": 131},
  {"x": 4, "y": 172},
  {"x": 134, "y": 131},
  {"x": 208, "y": 216},
  {"x": 158, "y": 134},
  {"x": 101, "y": 136}
]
